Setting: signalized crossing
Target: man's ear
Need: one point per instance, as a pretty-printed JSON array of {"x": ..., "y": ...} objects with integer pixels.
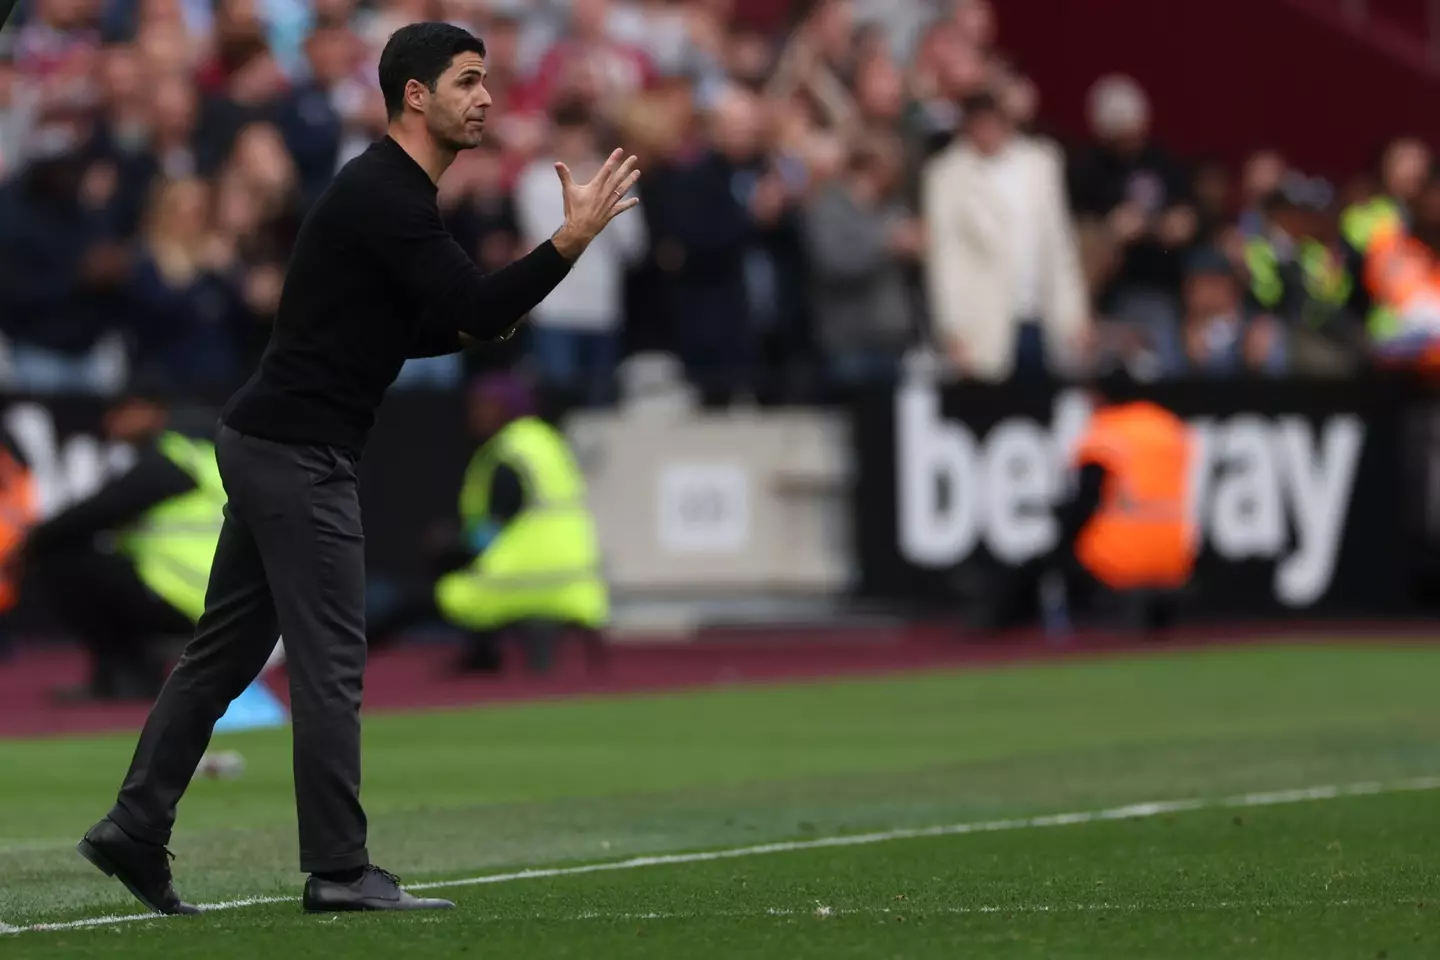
[{"x": 416, "y": 94}]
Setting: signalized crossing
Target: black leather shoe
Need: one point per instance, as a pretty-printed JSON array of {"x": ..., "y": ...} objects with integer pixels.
[
  {"x": 375, "y": 890},
  {"x": 144, "y": 868}
]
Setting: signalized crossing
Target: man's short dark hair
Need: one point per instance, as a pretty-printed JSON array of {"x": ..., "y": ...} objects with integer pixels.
[
  {"x": 1110, "y": 379},
  {"x": 421, "y": 51},
  {"x": 1280, "y": 201},
  {"x": 981, "y": 104},
  {"x": 569, "y": 113},
  {"x": 1209, "y": 262}
]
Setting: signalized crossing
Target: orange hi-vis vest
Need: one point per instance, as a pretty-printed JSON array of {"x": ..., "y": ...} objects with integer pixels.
[
  {"x": 1142, "y": 535},
  {"x": 19, "y": 510},
  {"x": 1403, "y": 277}
]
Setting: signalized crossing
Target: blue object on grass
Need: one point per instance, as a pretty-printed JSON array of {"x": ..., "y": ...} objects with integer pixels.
[{"x": 255, "y": 709}]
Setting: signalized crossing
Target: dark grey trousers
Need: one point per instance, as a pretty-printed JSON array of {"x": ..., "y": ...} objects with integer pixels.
[{"x": 290, "y": 562}]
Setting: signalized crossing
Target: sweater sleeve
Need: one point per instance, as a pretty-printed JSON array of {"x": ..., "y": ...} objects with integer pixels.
[
  {"x": 434, "y": 338},
  {"x": 410, "y": 240}
]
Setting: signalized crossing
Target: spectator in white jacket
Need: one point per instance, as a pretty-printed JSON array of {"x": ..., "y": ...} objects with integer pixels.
[
  {"x": 575, "y": 332},
  {"x": 1006, "y": 292}
]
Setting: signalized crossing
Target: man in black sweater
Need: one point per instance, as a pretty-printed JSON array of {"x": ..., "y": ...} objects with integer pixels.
[{"x": 374, "y": 279}]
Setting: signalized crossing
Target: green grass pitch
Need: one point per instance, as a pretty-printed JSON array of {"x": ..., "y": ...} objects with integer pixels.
[{"x": 464, "y": 795}]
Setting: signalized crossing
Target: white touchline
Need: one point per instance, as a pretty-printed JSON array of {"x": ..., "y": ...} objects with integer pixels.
[
  {"x": 820, "y": 911},
  {"x": 1134, "y": 811}
]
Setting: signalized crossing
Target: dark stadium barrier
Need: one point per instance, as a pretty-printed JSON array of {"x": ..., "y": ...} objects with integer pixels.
[
  {"x": 409, "y": 477},
  {"x": 1308, "y": 495},
  {"x": 1317, "y": 499}
]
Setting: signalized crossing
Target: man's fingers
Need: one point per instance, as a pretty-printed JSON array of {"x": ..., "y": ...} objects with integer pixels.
[
  {"x": 607, "y": 170},
  {"x": 621, "y": 207},
  {"x": 619, "y": 174},
  {"x": 564, "y": 172},
  {"x": 624, "y": 186}
]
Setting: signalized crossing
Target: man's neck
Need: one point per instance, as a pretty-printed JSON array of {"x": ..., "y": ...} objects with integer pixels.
[{"x": 432, "y": 158}]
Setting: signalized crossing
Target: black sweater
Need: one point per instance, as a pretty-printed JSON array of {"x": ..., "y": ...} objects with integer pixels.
[{"x": 375, "y": 279}]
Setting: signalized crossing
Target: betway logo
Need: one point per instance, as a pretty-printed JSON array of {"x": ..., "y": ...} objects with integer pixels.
[{"x": 1252, "y": 474}]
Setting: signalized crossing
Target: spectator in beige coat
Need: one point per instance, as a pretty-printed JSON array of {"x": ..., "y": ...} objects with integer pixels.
[{"x": 1003, "y": 274}]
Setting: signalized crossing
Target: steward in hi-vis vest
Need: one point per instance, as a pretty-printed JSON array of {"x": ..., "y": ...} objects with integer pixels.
[
  {"x": 541, "y": 562},
  {"x": 1139, "y": 534},
  {"x": 1299, "y": 273},
  {"x": 128, "y": 565},
  {"x": 1126, "y": 542},
  {"x": 1389, "y": 212},
  {"x": 527, "y": 563},
  {"x": 1402, "y": 275}
]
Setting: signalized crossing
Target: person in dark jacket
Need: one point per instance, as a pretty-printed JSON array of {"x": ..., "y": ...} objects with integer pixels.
[
  {"x": 860, "y": 241},
  {"x": 58, "y": 271},
  {"x": 707, "y": 218},
  {"x": 309, "y": 117}
]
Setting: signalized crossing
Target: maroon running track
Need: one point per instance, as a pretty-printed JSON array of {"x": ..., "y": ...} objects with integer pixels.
[{"x": 418, "y": 676}]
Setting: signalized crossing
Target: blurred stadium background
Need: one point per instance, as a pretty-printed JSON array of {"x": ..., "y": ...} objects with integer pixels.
[{"x": 769, "y": 369}]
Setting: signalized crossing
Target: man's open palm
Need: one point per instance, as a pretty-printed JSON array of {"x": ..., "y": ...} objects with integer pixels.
[{"x": 590, "y": 206}]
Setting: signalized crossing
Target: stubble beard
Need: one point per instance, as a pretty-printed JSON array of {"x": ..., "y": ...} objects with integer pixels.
[{"x": 458, "y": 137}]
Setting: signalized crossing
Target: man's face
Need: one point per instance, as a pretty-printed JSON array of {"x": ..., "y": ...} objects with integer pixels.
[
  {"x": 988, "y": 132},
  {"x": 332, "y": 54},
  {"x": 165, "y": 49},
  {"x": 61, "y": 14},
  {"x": 1263, "y": 173},
  {"x": 337, "y": 11},
  {"x": 749, "y": 56},
  {"x": 502, "y": 45},
  {"x": 120, "y": 75},
  {"x": 881, "y": 89},
  {"x": 1212, "y": 189},
  {"x": 834, "y": 28},
  {"x": 1209, "y": 295},
  {"x": 1407, "y": 165},
  {"x": 976, "y": 20},
  {"x": 173, "y": 107},
  {"x": 961, "y": 69},
  {"x": 455, "y": 112},
  {"x": 736, "y": 128},
  {"x": 589, "y": 18}
]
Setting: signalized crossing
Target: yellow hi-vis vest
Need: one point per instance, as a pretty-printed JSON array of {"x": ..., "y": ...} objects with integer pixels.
[
  {"x": 1327, "y": 282},
  {"x": 173, "y": 544},
  {"x": 545, "y": 563},
  {"x": 1359, "y": 225}
]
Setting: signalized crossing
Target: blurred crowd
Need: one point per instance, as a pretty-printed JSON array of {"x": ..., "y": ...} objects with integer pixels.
[{"x": 829, "y": 188}]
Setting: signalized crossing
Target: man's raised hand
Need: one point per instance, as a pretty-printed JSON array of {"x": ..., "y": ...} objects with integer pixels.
[{"x": 590, "y": 206}]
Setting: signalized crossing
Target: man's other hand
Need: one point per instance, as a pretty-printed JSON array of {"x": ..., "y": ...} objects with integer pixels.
[{"x": 590, "y": 206}]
